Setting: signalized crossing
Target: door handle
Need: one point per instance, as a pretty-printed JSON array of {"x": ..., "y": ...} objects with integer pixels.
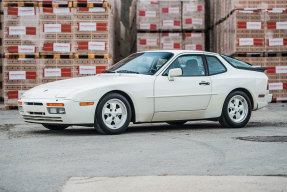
[{"x": 204, "y": 83}]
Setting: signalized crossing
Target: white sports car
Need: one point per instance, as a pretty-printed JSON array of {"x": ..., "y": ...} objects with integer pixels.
[{"x": 153, "y": 86}]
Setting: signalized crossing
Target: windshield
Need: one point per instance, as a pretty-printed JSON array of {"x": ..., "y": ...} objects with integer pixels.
[
  {"x": 236, "y": 63},
  {"x": 147, "y": 63}
]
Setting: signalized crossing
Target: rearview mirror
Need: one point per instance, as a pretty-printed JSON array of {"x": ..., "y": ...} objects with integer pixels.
[{"x": 176, "y": 72}]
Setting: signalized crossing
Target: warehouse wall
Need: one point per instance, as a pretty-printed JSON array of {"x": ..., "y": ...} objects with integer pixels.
[
  {"x": 168, "y": 24},
  {"x": 254, "y": 31},
  {"x": 121, "y": 42},
  {"x": 43, "y": 43},
  {"x": 226, "y": 25}
]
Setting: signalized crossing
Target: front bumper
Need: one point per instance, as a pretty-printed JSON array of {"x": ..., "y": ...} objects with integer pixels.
[{"x": 36, "y": 111}]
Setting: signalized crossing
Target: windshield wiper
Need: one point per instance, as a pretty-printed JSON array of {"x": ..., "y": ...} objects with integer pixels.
[
  {"x": 108, "y": 71},
  {"x": 127, "y": 71}
]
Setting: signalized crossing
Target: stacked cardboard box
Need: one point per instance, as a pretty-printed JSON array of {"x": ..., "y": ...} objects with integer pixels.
[
  {"x": 92, "y": 39},
  {"x": 170, "y": 15},
  {"x": 46, "y": 41},
  {"x": 170, "y": 41},
  {"x": 148, "y": 15},
  {"x": 193, "y": 14},
  {"x": 148, "y": 41},
  {"x": 194, "y": 41},
  {"x": 170, "y": 24},
  {"x": 253, "y": 31},
  {"x": 276, "y": 72},
  {"x": 20, "y": 46}
]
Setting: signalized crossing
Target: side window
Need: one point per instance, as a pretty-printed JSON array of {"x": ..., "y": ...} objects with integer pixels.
[
  {"x": 191, "y": 65},
  {"x": 214, "y": 65}
]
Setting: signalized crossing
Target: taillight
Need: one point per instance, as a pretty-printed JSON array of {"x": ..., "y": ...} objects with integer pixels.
[{"x": 261, "y": 95}]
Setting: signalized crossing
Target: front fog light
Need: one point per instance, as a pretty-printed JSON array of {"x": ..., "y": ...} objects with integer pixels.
[
  {"x": 61, "y": 110},
  {"x": 53, "y": 110},
  {"x": 56, "y": 110}
]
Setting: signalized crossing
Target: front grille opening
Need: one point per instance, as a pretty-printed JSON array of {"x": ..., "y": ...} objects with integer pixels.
[
  {"x": 36, "y": 113},
  {"x": 34, "y": 103},
  {"x": 34, "y": 118}
]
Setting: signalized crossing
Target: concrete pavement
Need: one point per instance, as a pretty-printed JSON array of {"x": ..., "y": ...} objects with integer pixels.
[
  {"x": 177, "y": 184},
  {"x": 33, "y": 158}
]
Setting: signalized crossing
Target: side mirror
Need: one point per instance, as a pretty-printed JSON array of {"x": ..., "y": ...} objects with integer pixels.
[{"x": 176, "y": 72}]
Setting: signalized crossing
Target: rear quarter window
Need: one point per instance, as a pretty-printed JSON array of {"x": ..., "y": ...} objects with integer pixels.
[
  {"x": 236, "y": 63},
  {"x": 214, "y": 65}
]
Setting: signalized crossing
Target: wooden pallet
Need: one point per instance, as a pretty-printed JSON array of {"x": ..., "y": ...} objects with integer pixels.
[
  {"x": 56, "y": 56},
  {"x": 9, "y": 107},
  {"x": 91, "y": 56},
  {"x": 274, "y": 100},
  {"x": 21, "y": 4},
  {"x": 104, "y": 4},
  {"x": 260, "y": 54},
  {"x": 21, "y": 56},
  {"x": 42, "y": 4}
]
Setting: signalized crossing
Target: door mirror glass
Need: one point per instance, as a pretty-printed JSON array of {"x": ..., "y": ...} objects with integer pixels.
[{"x": 176, "y": 72}]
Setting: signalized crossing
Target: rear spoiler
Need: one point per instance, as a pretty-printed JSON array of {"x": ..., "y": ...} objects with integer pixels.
[{"x": 259, "y": 69}]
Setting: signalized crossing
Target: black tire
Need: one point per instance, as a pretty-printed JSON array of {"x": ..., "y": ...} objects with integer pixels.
[
  {"x": 225, "y": 119},
  {"x": 100, "y": 125},
  {"x": 55, "y": 127},
  {"x": 176, "y": 123}
]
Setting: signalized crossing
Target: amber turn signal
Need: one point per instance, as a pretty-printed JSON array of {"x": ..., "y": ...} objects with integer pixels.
[
  {"x": 55, "y": 104},
  {"x": 86, "y": 103},
  {"x": 20, "y": 103}
]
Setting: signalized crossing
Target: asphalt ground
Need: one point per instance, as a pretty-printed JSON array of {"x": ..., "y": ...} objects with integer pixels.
[{"x": 33, "y": 158}]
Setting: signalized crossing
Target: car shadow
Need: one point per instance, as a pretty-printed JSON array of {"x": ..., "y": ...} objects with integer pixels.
[
  {"x": 133, "y": 128},
  {"x": 151, "y": 128},
  {"x": 79, "y": 131},
  {"x": 162, "y": 127}
]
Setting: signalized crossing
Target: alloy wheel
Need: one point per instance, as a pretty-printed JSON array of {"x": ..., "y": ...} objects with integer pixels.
[
  {"x": 114, "y": 114},
  {"x": 237, "y": 109}
]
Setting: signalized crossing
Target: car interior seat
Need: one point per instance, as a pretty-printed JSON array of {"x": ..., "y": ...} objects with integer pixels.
[{"x": 191, "y": 68}]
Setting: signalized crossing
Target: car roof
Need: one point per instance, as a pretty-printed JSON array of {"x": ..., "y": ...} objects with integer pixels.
[{"x": 176, "y": 52}]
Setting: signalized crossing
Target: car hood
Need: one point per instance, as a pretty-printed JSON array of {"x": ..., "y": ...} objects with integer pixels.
[{"x": 68, "y": 88}]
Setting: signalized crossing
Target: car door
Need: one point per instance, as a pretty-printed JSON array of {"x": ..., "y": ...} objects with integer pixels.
[{"x": 189, "y": 92}]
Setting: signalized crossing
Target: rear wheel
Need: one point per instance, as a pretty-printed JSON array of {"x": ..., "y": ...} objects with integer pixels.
[
  {"x": 176, "y": 123},
  {"x": 236, "y": 110},
  {"x": 113, "y": 114},
  {"x": 55, "y": 126}
]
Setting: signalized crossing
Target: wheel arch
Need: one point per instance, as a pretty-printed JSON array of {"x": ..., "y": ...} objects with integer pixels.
[
  {"x": 127, "y": 97},
  {"x": 247, "y": 92}
]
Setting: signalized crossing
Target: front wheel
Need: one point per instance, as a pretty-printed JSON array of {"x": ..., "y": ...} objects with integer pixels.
[
  {"x": 113, "y": 114},
  {"x": 236, "y": 110},
  {"x": 55, "y": 127}
]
